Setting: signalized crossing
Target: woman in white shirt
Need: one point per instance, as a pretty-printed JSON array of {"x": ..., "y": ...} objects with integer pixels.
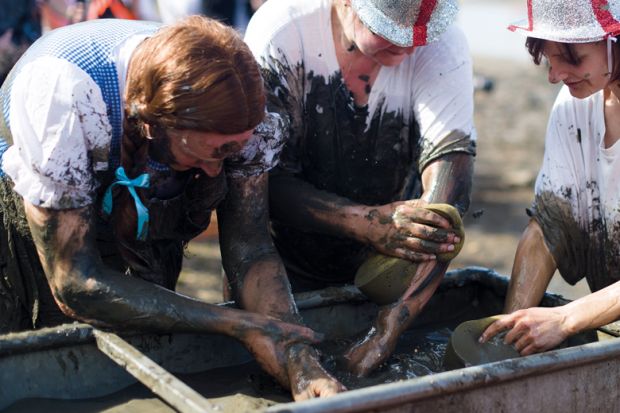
[{"x": 575, "y": 225}]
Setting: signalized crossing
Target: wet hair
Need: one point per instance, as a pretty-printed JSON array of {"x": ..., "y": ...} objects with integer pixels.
[
  {"x": 536, "y": 46},
  {"x": 196, "y": 74}
]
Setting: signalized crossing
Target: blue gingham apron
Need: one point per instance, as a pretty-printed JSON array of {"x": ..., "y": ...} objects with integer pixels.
[{"x": 89, "y": 46}]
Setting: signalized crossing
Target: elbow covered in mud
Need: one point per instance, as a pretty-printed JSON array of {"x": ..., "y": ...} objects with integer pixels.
[{"x": 79, "y": 297}]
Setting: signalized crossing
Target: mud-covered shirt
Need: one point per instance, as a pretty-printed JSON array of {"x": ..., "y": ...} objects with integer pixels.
[
  {"x": 577, "y": 201},
  {"x": 417, "y": 112}
]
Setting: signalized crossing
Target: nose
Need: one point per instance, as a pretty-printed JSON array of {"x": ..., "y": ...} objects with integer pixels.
[
  {"x": 212, "y": 169},
  {"x": 556, "y": 74}
]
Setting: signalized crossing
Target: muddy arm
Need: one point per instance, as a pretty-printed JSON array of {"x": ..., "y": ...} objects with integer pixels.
[
  {"x": 447, "y": 180},
  {"x": 87, "y": 290},
  {"x": 421, "y": 235},
  {"x": 259, "y": 282},
  {"x": 249, "y": 257},
  {"x": 301, "y": 205},
  {"x": 534, "y": 329},
  {"x": 532, "y": 270}
]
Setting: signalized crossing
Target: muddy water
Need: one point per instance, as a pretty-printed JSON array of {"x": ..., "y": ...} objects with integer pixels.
[
  {"x": 418, "y": 353},
  {"x": 246, "y": 388}
]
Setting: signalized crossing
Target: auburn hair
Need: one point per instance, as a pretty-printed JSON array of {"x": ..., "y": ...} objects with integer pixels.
[{"x": 195, "y": 74}]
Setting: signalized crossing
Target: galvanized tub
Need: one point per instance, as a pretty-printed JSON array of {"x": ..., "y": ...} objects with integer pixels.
[{"x": 78, "y": 362}]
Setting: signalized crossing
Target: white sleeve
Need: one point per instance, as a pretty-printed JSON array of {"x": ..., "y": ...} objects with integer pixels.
[
  {"x": 278, "y": 48},
  {"x": 443, "y": 93},
  {"x": 61, "y": 134}
]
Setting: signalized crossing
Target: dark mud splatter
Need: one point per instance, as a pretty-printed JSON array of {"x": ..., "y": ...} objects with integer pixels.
[
  {"x": 341, "y": 148},
  {"x": 592, "y": 252}
]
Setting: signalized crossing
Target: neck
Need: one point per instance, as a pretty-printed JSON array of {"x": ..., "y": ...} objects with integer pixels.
[
  {"x": 612, "y": 114},
  {"x": 612, "y": 93}
]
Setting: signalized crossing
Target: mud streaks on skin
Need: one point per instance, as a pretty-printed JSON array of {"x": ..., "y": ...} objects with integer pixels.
[
  {"x": 403, "y": 315},
  {"x": 260, "y": 283},
  {"x": 46, "y": 233},
  {"x": 246, "y": 246},
  {"x": 374, "y": 214},
  {"x": 89, "y": 291},
  {"x": 226, "y": 149}
]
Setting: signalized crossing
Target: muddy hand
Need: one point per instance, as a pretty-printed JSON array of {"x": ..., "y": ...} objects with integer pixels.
[
  {"x": 532, "y": 330},
  {"x": 392, "y": 320},
  {"x": 269, "y": 341},
  {"x": 380, "y": 341},
  {"x": 406, "y": 229},
  {"x": 308, "y": 379}
]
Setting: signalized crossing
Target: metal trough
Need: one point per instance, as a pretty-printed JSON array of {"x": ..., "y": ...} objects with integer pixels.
[{"x": 77, "y": 361}]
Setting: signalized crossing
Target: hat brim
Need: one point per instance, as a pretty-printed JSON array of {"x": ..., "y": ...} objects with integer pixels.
[
  {"x": 401, "y": 33},
  {"x": 554, "y": 34},
  {"x": 380, "y": 24}
]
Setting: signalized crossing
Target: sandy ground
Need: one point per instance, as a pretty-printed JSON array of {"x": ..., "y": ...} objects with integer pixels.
[{"x": 511, "y": 121}]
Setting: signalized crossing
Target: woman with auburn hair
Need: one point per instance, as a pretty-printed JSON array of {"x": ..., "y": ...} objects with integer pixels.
[
  {"x": 119, "y": 139},
  {"x": 575, "y": 217}
]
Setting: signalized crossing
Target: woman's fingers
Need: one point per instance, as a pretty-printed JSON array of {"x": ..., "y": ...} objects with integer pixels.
[
  {"x": 492, "y": 330},
  {"x": 523, "y": 342},
  {"x": 413, "y": 255},
  {"x": 301, "y": 333},
  {"x": 406, "y": 213}
]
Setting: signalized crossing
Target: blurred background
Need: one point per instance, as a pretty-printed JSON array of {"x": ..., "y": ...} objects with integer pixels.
[{"x": 513, "y": 100}]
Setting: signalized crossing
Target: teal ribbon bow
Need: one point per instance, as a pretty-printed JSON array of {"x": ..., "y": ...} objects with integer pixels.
[{"x": 142, "y": 181}]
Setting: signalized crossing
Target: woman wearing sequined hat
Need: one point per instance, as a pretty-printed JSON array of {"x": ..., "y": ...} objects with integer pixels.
[
  {"x": 119, "y": 138},
  {"x": 376, "y": 96},
  {"x": 575, "y": 218}
]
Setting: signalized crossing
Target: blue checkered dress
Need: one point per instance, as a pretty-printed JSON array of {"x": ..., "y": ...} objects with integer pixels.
[{"x": 88, "y": 45}]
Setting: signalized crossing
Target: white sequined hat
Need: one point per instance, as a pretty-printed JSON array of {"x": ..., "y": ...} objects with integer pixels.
[
  {"x": 407, "y": 22},
  {"x": 570, "y": 21}
]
